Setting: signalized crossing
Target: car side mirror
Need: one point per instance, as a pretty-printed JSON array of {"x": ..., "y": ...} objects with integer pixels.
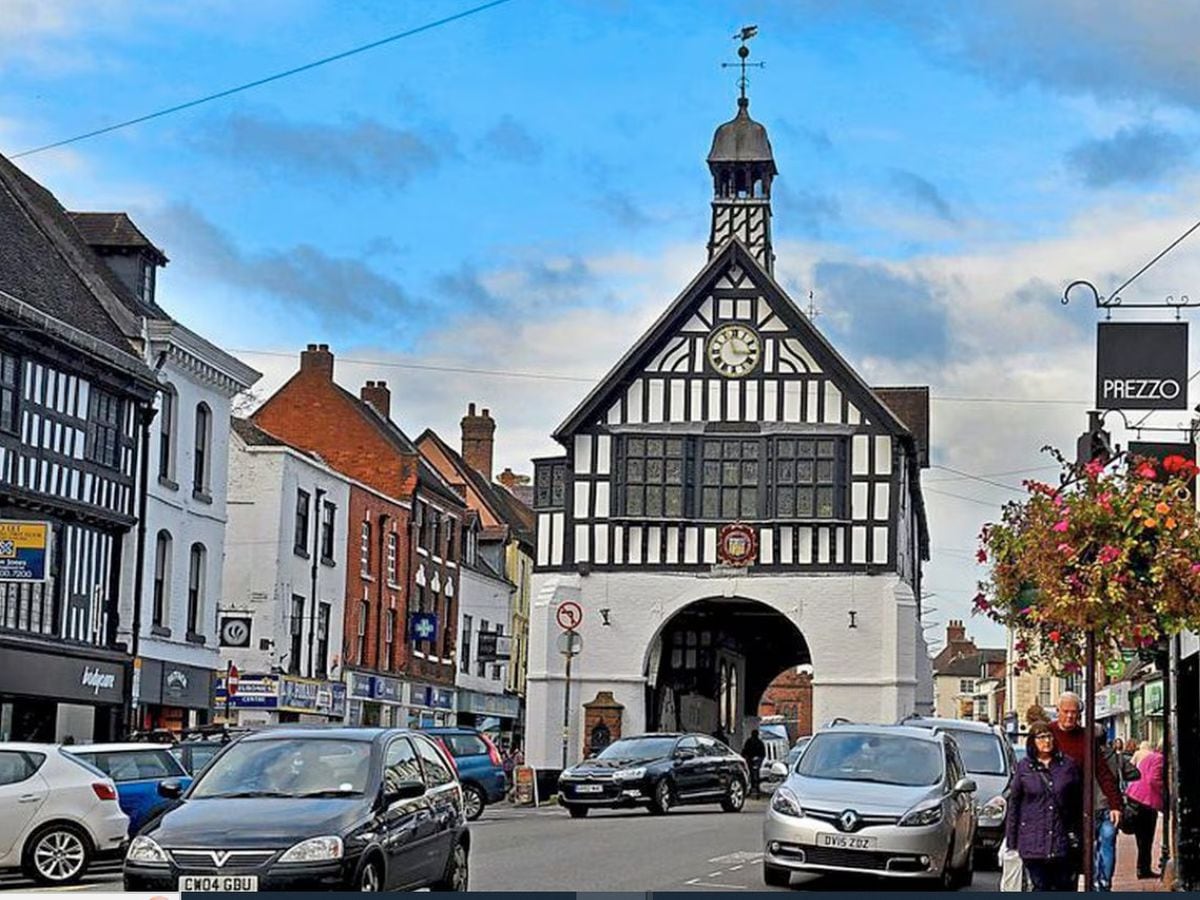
[
  {"x": 964, "y": 786},
  {"x": 404, "y": 790},
  {"x": 778, "y": 770},
  {"x": 171, "y": 788},
  {"x": 685, "y": 754}
]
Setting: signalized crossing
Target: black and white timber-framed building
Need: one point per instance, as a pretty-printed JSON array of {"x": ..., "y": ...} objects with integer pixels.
[
  {"x": 733, "y": 409},
  {"x": 74, "y": 395}
]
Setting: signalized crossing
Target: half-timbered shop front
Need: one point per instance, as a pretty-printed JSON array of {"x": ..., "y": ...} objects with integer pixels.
[
  {"x": 734, "y": 501},
  {"x": 73, "y": 397}
]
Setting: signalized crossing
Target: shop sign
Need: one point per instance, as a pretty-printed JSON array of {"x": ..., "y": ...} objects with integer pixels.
[
  {"x": 362, "y": 686},
  {"x": 503, "y": 706},
  {"x": 235, "y": 631},
  {"x": 1142, "y": 365},
  {"x": 298, "y": 694},
  {"x": 1112, "y": 700},
  {"x": 387, "y": 689},
  {"x": 494, "y": 647},
  {"x": 253, "y": 692},
  {"x": 423, "y": 626},
  {"x": 525, "y": 786},
  {"x": 337, "y": 700},
  {"x": 433, "y": 697},
  {"x": 24, "y": 547}
]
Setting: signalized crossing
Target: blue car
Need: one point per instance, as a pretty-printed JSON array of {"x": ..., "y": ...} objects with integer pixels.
[
  {"x": 480, "y": 769},
  {"x": 137, "y": 770}
]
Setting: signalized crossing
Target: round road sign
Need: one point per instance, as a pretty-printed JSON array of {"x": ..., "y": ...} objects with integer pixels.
[
  {"x": 568, "y": 615},
  {"x": 570, "y": 643}
]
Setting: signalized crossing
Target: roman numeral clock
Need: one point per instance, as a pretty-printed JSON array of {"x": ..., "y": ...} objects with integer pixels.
[{"x": 734, "y": 350}]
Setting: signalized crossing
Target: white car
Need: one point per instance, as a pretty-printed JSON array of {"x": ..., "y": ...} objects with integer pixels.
[{"x": 57, "y": 814}]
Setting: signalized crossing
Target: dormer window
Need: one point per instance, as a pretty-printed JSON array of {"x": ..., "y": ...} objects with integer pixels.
[{"x": 146, "y": 291}]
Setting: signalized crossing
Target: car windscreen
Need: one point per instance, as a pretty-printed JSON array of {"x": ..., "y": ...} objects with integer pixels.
[
  {"x": 638, "y": 748},
  {"x": 877, "y": 758},
  {"x": 982, "y": 754},
  {"x": 287, "y": 767},
  {"x": 134, "y": 765}
]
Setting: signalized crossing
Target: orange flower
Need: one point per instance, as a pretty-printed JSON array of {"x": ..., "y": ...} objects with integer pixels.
[
  {"x": 1162, "y": 509},
  {"x": 1150, "y": 523},
  {"x": 1171, "y": 523}
]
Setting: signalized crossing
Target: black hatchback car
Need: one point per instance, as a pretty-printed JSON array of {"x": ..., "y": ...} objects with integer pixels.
[
  {"x": 363, "y": 809},
  {"x": 657, "y": 771}
]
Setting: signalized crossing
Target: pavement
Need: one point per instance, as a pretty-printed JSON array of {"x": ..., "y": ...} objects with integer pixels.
[
  {"x": 690, "y": 849},
  {"x": 1125, "y": 877}
]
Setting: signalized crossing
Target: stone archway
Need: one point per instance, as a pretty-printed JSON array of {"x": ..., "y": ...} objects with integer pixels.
[{"x": 709, "y": 663}]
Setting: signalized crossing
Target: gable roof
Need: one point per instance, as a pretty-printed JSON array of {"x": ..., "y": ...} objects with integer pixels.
[
  {"x": 46, "y": 264},
  {"x": 503, "y": 505},
  {"x": 967, "y": 666},
  {"x": 254, "y": 436},
  {"x": 674, "y": 317}
]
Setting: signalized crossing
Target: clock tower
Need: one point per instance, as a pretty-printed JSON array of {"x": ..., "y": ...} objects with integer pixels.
[{"x": 742, "y": 167}]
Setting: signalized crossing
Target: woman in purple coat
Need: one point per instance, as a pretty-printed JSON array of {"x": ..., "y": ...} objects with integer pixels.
[{"x": 1044, "y": 811}]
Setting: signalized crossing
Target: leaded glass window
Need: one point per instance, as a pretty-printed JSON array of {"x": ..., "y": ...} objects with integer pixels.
[
  {"x": 730, "y": 474},
  {"x": 809, "y": 478},
  {"x": 654, "y": 479}
]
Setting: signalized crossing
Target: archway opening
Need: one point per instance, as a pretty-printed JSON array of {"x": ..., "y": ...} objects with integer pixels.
[
  {"x": 711, "y": 663},
  {"x": 787, "y": 705}
]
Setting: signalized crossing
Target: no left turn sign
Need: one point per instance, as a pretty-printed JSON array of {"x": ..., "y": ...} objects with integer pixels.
[{"x": 568, "y": 615}]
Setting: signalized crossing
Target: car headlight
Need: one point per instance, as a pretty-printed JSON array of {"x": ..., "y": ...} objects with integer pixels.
[
  {"x": 318, "y": 849},
  {"x": 146, "y": 851},
  {"x": 786, "y": 802},
  {"x": 923, "y": 815},
  {"x": 630, "y": 774},
  {"x": 994, "y": 808}
]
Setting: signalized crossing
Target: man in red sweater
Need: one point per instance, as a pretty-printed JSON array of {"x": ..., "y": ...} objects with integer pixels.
[{"x": 1071, "y": 737}]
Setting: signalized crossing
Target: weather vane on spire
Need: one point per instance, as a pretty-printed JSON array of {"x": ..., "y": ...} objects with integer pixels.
[{"x": 743, "y": 51}]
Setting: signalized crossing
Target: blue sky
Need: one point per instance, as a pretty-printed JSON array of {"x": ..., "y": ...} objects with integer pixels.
[{"x": 524, "y": 190}]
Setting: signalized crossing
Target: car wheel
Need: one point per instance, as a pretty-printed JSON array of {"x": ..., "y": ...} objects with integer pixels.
[
  {"x": 370, "y": 881},
  {"x": 776, "y": 876},
  {"x": 457, "y": 874},
  {"x": 664, "y": 798},
  {"x": 473, "y": 802},
  {"x": 577, "y": 812},
  {"x": 735, "y": 797},
  {"x": 57, "y": 854}
]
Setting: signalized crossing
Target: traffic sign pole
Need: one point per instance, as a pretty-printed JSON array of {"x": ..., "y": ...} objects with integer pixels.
[{"x": 566, "y": 735}]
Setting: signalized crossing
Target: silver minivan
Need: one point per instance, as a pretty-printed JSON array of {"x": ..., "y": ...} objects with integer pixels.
[{"x": 882, "y": 800}]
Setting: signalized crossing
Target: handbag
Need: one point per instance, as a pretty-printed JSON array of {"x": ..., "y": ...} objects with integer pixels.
[{"x": 1131, "y": 812}]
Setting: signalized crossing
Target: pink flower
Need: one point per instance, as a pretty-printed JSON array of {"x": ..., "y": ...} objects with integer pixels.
[
  {"x": 1147, "y": 470},
  {"x": 1109, "y": 554},
  {"x": 1094, "y": 468},
  {"x": 1066, "y": 548},
  {"x": 1195, "y": 568},
  {"x": 1062, "y": 526},
  {"x": 981, "y": 556}
]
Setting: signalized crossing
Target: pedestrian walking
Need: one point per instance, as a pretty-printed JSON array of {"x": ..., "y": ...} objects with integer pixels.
[
  {"x": 1145, "y": 798},
  {"x": 1044, "y": 810},
  {"x": 1071, "y": 737},
  {"x": 754, "y": 752},
  {"x": 1144, "y": 749}
]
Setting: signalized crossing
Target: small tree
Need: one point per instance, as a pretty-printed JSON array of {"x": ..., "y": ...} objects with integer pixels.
[{"x": 1113, "y": 550}]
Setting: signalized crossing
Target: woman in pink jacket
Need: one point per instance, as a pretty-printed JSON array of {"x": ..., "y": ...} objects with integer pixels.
[{"x": 1146, "y": 797}]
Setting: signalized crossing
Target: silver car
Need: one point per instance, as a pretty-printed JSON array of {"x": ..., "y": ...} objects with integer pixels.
[
  {"x": 880, "y": 800},
  {"x": 990, "y": 763}
]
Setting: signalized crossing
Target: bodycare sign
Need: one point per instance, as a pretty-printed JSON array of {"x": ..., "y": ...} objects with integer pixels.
[{"x": 1142, "y": 365}]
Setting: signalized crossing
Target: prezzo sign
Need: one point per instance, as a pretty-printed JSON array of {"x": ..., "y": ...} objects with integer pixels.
[{"x": 1141, "y": 365}]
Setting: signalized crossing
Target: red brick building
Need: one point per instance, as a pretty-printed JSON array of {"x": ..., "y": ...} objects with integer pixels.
[
  {"x": 407, "y": 544},
  {"x": 790, "y": 696}
]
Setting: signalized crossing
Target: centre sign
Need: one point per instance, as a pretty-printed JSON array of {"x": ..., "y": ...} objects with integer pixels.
[{"x": 1142, "y": 365}]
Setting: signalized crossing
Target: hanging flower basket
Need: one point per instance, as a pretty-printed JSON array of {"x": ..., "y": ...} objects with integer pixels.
[{"x": 1113, "y": 550}]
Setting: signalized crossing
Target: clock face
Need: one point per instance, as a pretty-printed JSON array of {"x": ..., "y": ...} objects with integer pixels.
[{"x": 734, "y": 350}]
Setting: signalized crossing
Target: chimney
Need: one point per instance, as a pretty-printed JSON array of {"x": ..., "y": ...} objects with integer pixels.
[
  {"x": 377, "y": 394},
  {"x": 317, "y": 358},
  {"x": 511, "y": 479},
  {"x": 956, "y": 632},
  {"x": 478, "y": 438}
]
